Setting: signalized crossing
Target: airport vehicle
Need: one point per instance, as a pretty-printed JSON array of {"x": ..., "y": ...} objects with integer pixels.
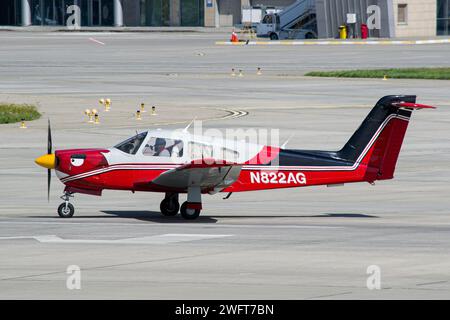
[
  {"x": 179, "y": 162},
  {"x": 297, "y": 21}
]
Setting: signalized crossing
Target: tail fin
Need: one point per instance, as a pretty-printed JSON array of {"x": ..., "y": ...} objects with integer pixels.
[{"x": 377, "y": 141}]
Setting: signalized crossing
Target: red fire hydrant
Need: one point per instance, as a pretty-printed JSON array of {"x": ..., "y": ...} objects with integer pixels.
[{"x": 364, "y": 31}]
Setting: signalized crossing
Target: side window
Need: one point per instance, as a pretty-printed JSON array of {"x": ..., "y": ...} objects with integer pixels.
[
  {"x": 200, "y": 150},
  {"x": 163, "y": 147},
  {"x": 267, "y": 19}
]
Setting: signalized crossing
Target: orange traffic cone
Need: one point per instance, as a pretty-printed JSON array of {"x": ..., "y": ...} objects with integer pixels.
[{"x": 234, "y": 37}]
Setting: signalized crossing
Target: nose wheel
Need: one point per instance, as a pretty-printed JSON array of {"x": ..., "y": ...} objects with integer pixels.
[{"x": 66, "y": 209}]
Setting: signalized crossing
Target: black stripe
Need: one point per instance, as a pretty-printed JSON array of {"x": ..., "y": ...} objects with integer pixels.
[{"x": 355, "y": 145}]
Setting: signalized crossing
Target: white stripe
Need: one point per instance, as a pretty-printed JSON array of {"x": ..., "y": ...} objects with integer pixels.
[
  {"x": 97, "y": 41},
  {"x": 116, "y": 167},
  {"x": 156, "y": 239}
]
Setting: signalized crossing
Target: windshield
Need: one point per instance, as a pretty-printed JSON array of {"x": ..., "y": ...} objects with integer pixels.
[{"x": 132, "y": 144}]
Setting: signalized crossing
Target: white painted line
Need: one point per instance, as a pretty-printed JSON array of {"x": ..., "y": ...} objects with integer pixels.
[
  {"x": 96, "y": 41},
  {"x": 199, "y": 224},
  {"x": 158, "y": 239}
]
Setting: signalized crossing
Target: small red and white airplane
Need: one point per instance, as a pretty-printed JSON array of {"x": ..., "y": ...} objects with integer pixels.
[{"x": 161, "y": 161}]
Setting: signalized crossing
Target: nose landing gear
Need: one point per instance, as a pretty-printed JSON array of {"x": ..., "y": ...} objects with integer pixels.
[{"x": 66, "y": 209}]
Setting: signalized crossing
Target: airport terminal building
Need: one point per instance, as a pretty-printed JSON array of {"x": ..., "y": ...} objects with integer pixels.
[{"x": 400, "y": 18}]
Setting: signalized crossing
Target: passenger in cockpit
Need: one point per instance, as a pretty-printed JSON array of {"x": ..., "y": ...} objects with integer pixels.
[{"x": 160, "y": 148}]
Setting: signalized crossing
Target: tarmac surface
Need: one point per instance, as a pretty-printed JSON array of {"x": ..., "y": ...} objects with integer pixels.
[{"x": 308, "y": 243}]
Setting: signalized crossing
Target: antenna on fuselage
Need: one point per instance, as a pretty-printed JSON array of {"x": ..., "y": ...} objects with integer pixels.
[
  {"x": 286, "y": 142},
  {"x": 190, "y": 123}
]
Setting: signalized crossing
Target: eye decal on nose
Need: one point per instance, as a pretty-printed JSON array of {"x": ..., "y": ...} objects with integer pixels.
[{"x": 77, "y": 159}]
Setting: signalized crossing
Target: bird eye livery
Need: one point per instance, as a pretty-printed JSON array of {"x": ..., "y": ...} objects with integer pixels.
[{"x": 178, "y": 162}]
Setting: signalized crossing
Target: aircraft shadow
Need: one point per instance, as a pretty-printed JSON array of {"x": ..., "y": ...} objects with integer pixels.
[
  {"x": 155, "y": 216},
  {"x": 324, "y": 215}
]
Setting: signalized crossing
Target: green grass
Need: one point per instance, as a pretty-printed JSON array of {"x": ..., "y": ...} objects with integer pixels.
[
  {"x": 10, "y": 112},
  {"x": 412, "y": 73}
]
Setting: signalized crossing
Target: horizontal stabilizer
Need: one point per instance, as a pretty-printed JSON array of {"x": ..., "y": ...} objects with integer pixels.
[{"x": 411, "y": 105}]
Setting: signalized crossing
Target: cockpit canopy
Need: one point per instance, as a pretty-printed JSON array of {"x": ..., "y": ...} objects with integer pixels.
[
  {"x": 155, "y": 146},
  {"x": 170, "y": 145}
]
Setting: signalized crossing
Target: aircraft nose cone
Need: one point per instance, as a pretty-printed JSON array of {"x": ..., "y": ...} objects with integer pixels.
[{"x": 47, "y": 161}]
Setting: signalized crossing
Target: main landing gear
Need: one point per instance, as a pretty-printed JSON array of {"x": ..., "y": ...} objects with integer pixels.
[
  {"x": 189, "y": 210},
  {"x": 169, "y": 206},
  {"x": 66, "y": 209}
]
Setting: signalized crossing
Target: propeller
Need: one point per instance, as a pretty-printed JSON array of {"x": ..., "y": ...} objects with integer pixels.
[
  {"x": 48, "y": 160},
  {"x": 49, "y": 151}
]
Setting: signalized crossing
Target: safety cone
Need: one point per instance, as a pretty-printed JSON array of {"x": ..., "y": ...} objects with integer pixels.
[
  {"x": 138, "y": 115},
  {"x": 22, "y": 124},
  {"x": 142, "y": 107},
  {"x": 258, "y": 71},
  {"x": 385, "y": 78},
  {"x": 153, "y": 111},
  {"x": 234, "y": 37},
  {"x": 233, "y": 73},
  {"x": 240, "y": 73}
]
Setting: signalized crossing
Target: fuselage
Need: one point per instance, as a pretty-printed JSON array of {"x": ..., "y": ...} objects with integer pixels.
[{"x": 136, "y": 162}]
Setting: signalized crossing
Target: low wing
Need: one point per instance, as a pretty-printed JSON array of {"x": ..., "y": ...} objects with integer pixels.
[{"x": 208, "y": 174}]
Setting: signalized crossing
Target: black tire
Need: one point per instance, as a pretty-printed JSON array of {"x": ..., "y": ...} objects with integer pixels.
[
  {"x": 169, "y": 208},
  {"x": 64, "y": 212},
  {"x": 273, "y": 36},
  {"x": 189, "y": 214}
]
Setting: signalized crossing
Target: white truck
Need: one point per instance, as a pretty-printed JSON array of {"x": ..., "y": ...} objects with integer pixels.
[{"x": 297, "y": 21}]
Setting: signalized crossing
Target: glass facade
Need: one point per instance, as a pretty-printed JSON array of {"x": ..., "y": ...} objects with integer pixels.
[
  {"x": 101, "y": 12},
  {"x": 155, "y": 13},
  {"x": 54, "y": 12},
  {"x": 158, "y": 12},
  {"x": 10, "y": 14},
  {"x": 443, "y": 17},
  {"x": 192, "y": 12}
]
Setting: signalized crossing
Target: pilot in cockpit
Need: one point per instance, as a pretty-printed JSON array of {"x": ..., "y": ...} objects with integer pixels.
[{"x": 160, "y": 148}]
